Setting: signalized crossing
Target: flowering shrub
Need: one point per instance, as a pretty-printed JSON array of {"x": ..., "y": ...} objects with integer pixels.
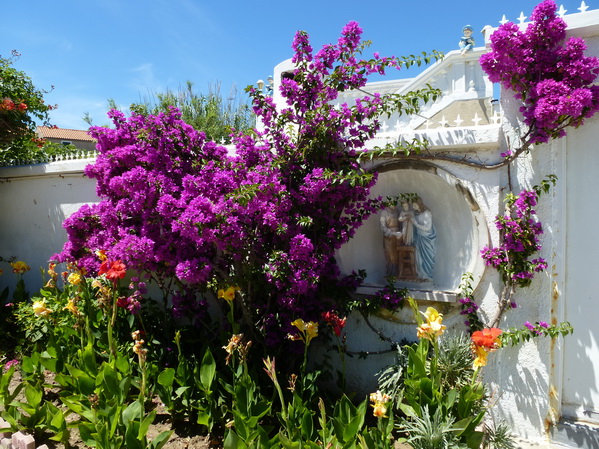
[
  {"x": 520, "y": 231},
  {"x": 553, "y": 78},
  {"x": 181, "y": 211},
  {"x": 21, "y": 104}
]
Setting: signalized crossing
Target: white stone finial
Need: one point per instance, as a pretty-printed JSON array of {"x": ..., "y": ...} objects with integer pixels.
[
  {"x": 503, "y": 20},
  {"x": 458, "y": 121},
  {"x": 384, "y": 127},
  {"x": 522, "y": 17},
  {"x": 443, "y": 122},
  {"x": 583, "y": 7},
  {"x": 471, "y": 86},
  {"x": 476, "y": 119},
  {"x": 485, "y": 31},
  {"x": 496, "y": 117},
  {"x": 561, "y": 11}
]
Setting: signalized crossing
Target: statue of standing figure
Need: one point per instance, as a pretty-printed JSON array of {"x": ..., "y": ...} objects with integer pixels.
[
  {"x": 390, "y": 227},
  {"x": 424, "y": 239},
  {"x": 408, "y": 238}
]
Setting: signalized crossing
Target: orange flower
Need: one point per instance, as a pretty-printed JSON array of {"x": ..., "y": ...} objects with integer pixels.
[{"x": 487, "y": 338}]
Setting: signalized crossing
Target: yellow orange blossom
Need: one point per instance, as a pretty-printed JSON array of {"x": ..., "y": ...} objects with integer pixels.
[
  {"x": 480, "y": 357},
  {"x": 40, "y": 309},
  {"x": 228, "y": 294},
  {"x": 379, "y": 404},
  {"x": 308, "y": 330},
  {"x": 96, "y": 283},
  {"x": 300, "y": 324},
  {"x": 100, "y": 254},
  {"x": 433, "y": 327},
  {"x": 74, "y": 278},
  {"x": 51, "y": 272},
  {"x": 233, "y": 343},
  {"x": 71, "y": 307},
  {"x": 19, "y": 267}
]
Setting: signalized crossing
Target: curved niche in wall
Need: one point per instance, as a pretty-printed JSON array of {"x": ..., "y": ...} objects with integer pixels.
[{"x": 461, "y": 230}]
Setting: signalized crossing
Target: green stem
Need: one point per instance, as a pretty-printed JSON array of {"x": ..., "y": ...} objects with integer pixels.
[{"x": 111, "y": 324}]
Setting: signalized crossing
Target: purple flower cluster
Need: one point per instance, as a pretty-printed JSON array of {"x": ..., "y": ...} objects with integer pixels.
[
  {"x": 537, "y": 328},
  {"x": 390, "y": 298},
  {"x": 268, "y": 219},
  {"x": 520, "y": 231},
  {"x": 553, "y": 78}
]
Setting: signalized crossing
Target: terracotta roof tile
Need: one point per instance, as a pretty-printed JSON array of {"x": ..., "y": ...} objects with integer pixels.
[{"x": 63, "y": 133}]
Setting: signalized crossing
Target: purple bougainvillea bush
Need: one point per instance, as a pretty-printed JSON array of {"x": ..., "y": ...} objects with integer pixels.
[
  {"x": 266, "y": 219},
  {"x": 551, "y": 75}
]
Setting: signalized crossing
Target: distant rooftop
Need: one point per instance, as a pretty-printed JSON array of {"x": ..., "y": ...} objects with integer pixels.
[{"x": 48, "y": 132}]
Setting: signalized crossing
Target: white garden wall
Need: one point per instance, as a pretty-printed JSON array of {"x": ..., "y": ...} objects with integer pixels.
[{"x": 34, "y": 201}]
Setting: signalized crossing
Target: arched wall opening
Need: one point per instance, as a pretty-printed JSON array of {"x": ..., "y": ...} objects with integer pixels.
[{"x": 460, "y": 226}]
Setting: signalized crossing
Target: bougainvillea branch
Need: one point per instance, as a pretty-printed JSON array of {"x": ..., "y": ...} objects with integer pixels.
[{"x": 549, "y": 74}]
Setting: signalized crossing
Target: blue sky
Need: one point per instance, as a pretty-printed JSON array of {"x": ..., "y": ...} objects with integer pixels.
[{"x": 94, "y": 50}]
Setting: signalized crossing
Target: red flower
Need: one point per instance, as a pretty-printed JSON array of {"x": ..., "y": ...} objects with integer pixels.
[
  {"x": 487, "y": 338},
  {"x": 22, "y": 106},
  {"x": 113, "y": 270},
  {"x": 8, "y": 104},
  {"x": 333, "y": 319}
]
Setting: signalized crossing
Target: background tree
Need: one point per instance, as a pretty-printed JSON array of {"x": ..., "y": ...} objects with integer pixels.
[
  {"x": 22, "y": 107},
  {"x": 210, "y": 113}
]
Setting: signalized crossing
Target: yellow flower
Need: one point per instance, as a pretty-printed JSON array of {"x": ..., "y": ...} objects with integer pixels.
[
  {"x": 96, "y": 283},
  {"x": 71, "y": 307},
  {"x": 480, "y": 357},
  {"x": 19, "y": 267},
  {"x": 379, "y": 404},
  {"x": 100, "y": 254},
  {"x": 299, "y": 323},
  {"x": 228, "y": 294},
  {"x": 311, "y": 330},
  {"x": 74, "y": 278},
  {"x": 308, "y": 330},
  {"x": 40, "y": 309},
  {"x": 433, "y": 327},
  {"x": 379, "y": 410}
]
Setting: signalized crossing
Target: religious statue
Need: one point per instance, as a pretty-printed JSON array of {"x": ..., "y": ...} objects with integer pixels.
[
  {"x": 424, "y": 240},
  {"x": 389, "y": 224},
  {"x": 467, "y": 41}
]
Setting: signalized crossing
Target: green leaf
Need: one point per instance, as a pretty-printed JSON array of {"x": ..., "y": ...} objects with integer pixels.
[
  {"x": 88, "y": 357},
  {"x": 132, "y": 412},
  {"x": 145, "y": 424},
  {"x": 33, "y": 395},
  {"x": 161, "y": 439},
  {"x": 232, "y": 441},
  {"x": 207, "y": 370},
  {"x": 110, "y": 379},
  {"x": 167, "y": 377},
  {"x": 86, "y": 432}
]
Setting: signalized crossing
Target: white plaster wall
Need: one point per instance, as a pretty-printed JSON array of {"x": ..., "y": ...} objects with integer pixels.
[{"x": 34, "y": 201}]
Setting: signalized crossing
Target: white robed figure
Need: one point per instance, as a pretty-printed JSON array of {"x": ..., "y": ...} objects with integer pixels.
[{"x": 424, "y": 240}]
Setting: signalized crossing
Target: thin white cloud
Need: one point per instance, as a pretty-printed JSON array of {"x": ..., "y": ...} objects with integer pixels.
[{"x": 144, "y": 79}]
